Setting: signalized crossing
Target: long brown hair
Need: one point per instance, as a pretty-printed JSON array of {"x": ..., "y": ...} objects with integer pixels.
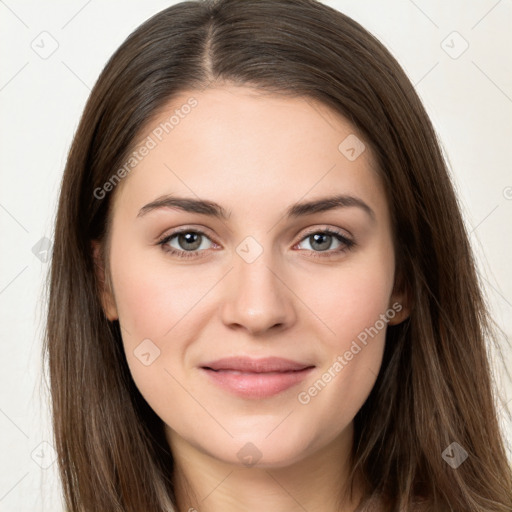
[{"x": 435, "y": 384}]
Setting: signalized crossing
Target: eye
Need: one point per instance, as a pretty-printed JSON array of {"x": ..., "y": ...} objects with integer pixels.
[
  {"x": 188, "y": 243},
  {"x": 185, "y": 243},
  {"x": 321, "y": 241}
]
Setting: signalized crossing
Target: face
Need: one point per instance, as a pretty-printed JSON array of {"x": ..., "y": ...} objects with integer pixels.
[{"x": 253, "y": 326}]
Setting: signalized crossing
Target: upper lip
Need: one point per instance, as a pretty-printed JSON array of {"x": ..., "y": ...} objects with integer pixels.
[{"x": 263, "y": 365}]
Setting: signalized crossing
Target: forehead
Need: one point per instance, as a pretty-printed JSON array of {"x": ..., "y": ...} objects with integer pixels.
[{"x": 247, "y": 150}]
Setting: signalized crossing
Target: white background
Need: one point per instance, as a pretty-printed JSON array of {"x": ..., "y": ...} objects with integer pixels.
[{"x": 469, "y": 99}]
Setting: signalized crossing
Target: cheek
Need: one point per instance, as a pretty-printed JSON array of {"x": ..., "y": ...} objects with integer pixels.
[
  {"x": 352, "y": 298},
  {"x": 355, "y": 305},
  {"x": 160, "y": 308},
  {"x": 152, "y": 297}
]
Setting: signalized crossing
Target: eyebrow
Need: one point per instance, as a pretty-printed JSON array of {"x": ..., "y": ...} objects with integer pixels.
[{"x": 296, "y": 210}]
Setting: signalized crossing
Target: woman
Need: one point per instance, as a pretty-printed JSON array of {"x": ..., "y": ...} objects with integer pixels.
[{"x": 320, "y": 345}]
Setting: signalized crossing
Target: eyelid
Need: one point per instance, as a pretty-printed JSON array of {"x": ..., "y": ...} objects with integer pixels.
[
  {"x": 195, "y": 228},
  {"x": 326, "y": 228}
]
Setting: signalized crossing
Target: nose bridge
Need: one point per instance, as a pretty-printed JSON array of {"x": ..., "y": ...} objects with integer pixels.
[{"x": 257, "y": 300}]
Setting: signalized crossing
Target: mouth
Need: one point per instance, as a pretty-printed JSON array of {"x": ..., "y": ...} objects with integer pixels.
[{"x": 256, "y": 378}]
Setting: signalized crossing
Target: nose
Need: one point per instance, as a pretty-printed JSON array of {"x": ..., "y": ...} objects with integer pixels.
[{"x": 257, "y": 299}]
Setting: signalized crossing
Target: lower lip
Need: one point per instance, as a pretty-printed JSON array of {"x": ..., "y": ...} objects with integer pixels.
[{"x": 256, "y": 385}]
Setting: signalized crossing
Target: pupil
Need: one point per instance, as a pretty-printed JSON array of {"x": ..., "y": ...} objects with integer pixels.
[
  {"x": 317, "y": 239},
  {"x": 189, "y": 238}
]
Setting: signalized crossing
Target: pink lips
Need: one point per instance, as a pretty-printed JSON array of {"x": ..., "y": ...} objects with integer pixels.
[{"x": 256, "y": 378}]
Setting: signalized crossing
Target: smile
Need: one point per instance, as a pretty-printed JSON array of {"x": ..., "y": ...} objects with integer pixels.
[{"x": 256, "y": 379}]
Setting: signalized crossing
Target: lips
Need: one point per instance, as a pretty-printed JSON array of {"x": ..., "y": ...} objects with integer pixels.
[
  {"x": 256, "y": 378},
  {"x": 248, "y": 365}
]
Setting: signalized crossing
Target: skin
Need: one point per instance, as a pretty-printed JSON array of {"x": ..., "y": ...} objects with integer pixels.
[{"x": 254, "y": 155}]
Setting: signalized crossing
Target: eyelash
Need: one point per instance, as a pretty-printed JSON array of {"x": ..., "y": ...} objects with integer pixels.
[{"x": 347, "y": 243}]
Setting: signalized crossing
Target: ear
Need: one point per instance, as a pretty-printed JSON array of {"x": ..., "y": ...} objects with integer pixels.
[
  {"x": 400, "y": 303},
  {"x": 105, "y": 291}
]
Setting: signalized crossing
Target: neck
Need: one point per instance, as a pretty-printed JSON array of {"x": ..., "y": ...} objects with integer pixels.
[{"x": 317, "y": 482}]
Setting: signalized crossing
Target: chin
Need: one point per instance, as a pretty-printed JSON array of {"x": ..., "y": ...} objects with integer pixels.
[{"x": 263, "y": 451}]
